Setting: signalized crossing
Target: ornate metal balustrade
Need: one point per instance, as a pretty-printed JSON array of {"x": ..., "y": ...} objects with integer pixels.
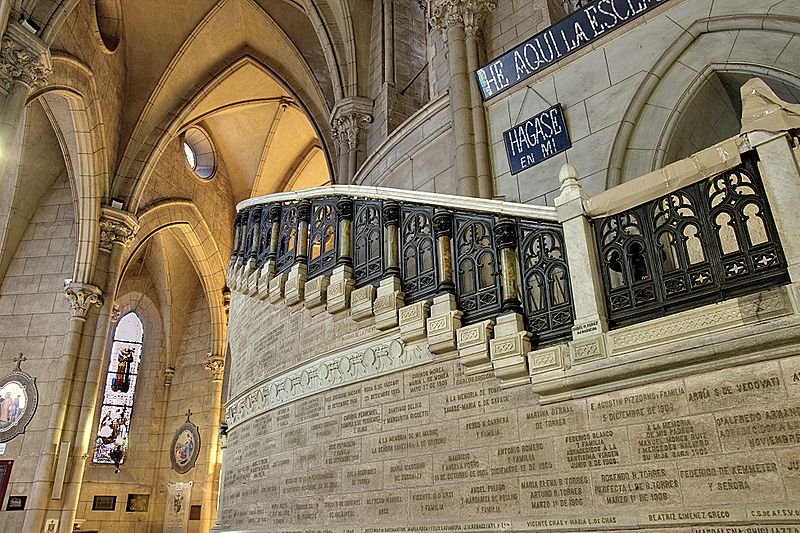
[
  {"x": 704, "y": 243},
  {"x": 431, "y": 250}
]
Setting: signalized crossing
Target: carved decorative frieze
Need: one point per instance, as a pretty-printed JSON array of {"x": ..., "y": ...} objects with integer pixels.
[
  {"x": 23, "y": 58},
  {"x": 331, "y": 370},
  {"x": 117, "y": 227},
  {"x": 82, "y": 297}
]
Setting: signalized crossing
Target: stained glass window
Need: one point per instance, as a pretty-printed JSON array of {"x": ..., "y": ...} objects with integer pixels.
[{"x": 123, "y": 370}]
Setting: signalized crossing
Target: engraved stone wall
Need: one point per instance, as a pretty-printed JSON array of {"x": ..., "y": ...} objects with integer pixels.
[{"x": 427, "y": 448}]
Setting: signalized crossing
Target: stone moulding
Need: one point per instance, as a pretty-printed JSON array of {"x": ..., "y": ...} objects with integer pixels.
[{"x": 334, "y": 369}]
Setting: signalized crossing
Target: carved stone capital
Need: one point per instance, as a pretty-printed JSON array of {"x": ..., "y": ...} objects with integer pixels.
[
  {"x": 82, "y": 297},
  {"x": 216, "y": 366},
  {"x": 116, "y": 227},
  {"x": 23, "y": 58},
  {"x": 444, "y": 14},
  {"x": 349, "y": 119}
]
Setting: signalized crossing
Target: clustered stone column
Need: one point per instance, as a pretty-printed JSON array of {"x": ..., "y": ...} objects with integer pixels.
[
  {"x": 349, "y": 119},
  {"x": 459, "y": 22}
]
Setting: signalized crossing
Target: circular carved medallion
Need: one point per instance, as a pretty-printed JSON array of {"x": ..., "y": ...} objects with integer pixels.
[
  {"x": 18, "y": 401},
  {"x": 185, "y": 448}
]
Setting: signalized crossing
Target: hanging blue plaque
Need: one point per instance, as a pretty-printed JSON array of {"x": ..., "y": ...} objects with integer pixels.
[{"x": 538, "y": 138}]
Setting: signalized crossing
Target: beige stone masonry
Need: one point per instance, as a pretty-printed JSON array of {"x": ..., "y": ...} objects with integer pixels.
[
  {"x": 473, "y": 347},
  {"x": 253, "y": 281},
  {"x": 339, "y": 289},
  {"x": 267, "y": 274},
  {"x": 509, "y": 350},
  {"x": 441, "y": 328},
  {"x": 316, "y": 294},
  {"x": 296, "y": 284},
  {"x": 547, "y": 359},
  {"x": 276, "y": 288},
  {"x": 412, "y": 321},
  {"x": 361, "y": 303},
  {"x": 388, "y": 300}
]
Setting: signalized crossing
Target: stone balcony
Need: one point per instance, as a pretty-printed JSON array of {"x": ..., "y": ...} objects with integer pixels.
[{"x": 691, "y": 268}]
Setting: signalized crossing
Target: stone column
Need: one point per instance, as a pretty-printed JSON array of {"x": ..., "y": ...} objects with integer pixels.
[
  {"x": 252, "y": 273},
  {"x": 117, "y": 231},
  {"x": 82, "y": 297},
  {"x": 349, "y": 119},
  {"x": 474, "y": 42},
  {"x": 389, "y": 297},
  {"x": 344, "y": 210},
  {"x": 295, "y": 283},
  {"x": 388, "y": 41},
  {"x": 506, "y": 237},
  {"x": 24, "y": 66},
  {"x": 452, "y": 18},
  {"x": 216, "y": 367},
  {"x": 781, "y": 178}
]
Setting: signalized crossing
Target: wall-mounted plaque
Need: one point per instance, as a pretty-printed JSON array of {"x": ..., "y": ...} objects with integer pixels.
[
  {"x": 137, "y": 503},
  {"x": 185, "y": 447},
  {"x": 16, "y": 503},
  {"x": 104, "y": 503},
  {"x": 194, "y": 512},
  {"x": 538, "y": 138},
  {"x": 5, "y": 477},
  {"x": 176, "y": 512},
  {"x": 18, "y": 401},
  {"x": 558, "y": 41}
]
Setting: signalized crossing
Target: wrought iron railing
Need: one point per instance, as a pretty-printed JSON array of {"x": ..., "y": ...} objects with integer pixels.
[
  {"x": 703, "y": 243},
  {"x": 432, "y": 250}
]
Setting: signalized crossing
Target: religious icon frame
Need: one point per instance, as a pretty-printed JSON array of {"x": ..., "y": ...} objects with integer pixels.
[
  {"x": 179, "y": 464},
  {"x": 23, "y": 381}
]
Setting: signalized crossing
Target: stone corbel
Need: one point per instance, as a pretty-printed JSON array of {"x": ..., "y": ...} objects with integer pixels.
[
  {"x": 24, "y": 58},
  {"x": 117, "y": 227},
  {"x": 443, "y": 323},
  {"x": 361, "y": 301},
  {"x": 82, "y": 297}
]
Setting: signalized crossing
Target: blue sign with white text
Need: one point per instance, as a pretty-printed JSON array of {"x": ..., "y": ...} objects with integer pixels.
[
  {"x": 538, "y": 138},
  {"x": 558, "y": 41}
]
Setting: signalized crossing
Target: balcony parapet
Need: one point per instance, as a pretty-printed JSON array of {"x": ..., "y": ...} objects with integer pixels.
[{"x": 529, "y": 293}]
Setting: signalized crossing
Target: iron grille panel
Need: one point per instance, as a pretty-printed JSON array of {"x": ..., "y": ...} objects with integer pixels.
[
  {"x": 544, "y": 279},
  {"x": 703, "y": 243},
  {"x": 287, "y": 239},
  {"x": 418, "y": 252},
  {"x": 265, "y": 233},
  {"x": 323, "y": 237},
  {"x": 477, "y": 270},
  {"x": 367, "y": 242}
]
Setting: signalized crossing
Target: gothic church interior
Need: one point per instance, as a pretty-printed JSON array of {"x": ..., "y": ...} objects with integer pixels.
[{"x": 278, "y": 265}]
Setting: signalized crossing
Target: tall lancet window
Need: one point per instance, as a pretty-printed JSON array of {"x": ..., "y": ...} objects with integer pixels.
[{"x": 115, "y": 415}]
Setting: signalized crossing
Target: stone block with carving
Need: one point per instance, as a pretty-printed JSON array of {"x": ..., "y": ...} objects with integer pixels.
[
  {"x": 509, "y": 350},
  {"x": 547, "y": 359},
  {"x": 473, "y": 347},
  {"x": 339, "y": 290},
  {"x": 296, "y": 285},
  {"x": 445, "y": 319},
  {"x": 588, "y": 349},
  {"x": 253, "y": 280},
  {"x": 316, "y": 294},
  {"x": 388, "y": 300},
  {"x": 276, "y": 288},
  {"x": 361, "y": 303},
  {"x": 412, "y": 321}
]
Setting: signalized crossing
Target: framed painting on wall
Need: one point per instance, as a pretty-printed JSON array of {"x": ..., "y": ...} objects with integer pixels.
[
  {"x": 104, "y": 503},
  {"x": 137, "y": 503},
  {"x": 5, "y": 477},
  {"x": 19, "y": 398},
  {"x": 185, "y": 447}
]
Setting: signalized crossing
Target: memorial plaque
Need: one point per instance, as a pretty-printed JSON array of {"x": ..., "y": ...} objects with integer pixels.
[
  {"x": 644, "y": 404},
  {"x": 674, "y": 439},
  {"x": 790, "y": 369},
  {"x": 542, "y": 421},
  {"x": 751, "y": 385},
  {"x": 460, "y": 454}
]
